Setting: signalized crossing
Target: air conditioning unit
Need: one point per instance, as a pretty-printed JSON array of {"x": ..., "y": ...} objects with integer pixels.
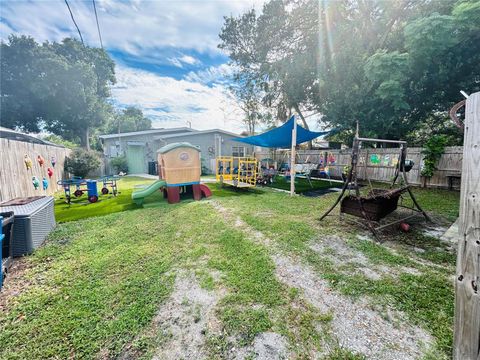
[{"x": 34, "y": 219}]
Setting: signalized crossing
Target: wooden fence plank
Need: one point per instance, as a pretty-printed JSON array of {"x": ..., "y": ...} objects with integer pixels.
[{"x": 467, "y": 299}]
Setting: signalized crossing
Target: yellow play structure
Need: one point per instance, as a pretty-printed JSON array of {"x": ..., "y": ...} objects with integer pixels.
[{"x": 240, "y": 172}]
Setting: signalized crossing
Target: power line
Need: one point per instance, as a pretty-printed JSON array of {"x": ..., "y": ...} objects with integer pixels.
[
  {"x": 73, "y": 19},
  {"x": 98, "y": 26}
]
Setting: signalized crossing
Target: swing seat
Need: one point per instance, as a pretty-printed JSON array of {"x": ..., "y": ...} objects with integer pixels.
[{"x": 377, "y": 204}]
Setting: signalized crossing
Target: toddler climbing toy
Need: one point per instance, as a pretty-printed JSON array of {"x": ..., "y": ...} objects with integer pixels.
[{"x": 240, "y": 172}]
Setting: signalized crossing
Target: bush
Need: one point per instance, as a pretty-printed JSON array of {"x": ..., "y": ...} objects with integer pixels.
[
  {"x": 81, "y": 162},
  {"x": 119, "y": 164},
  {"x": 433, "y": 150}
]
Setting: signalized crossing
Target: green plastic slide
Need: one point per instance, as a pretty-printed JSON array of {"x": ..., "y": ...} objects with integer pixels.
[{"x": 139, "y": 195}]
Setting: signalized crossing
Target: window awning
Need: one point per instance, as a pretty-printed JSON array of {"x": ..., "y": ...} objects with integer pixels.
[{"x": 281, "y": 137}]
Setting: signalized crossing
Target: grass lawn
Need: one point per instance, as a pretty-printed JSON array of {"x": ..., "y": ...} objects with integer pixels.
[
  {"x": 95, "y": 288},
  {"x": 302, "y": 185}
]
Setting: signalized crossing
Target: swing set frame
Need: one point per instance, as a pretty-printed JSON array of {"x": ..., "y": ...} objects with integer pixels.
[{"x": 386, "y": 200}]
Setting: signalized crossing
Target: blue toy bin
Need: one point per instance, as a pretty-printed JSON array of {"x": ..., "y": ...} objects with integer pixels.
[
  {"x": 92, "y": 190},
  {"x": 6, "y": 237}
]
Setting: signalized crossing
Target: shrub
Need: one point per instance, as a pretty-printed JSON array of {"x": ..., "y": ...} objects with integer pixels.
[
  {"x": 433, "y": 150},
  {"x": 81, "y": 162},
  {"x": 119, "y": 164}
]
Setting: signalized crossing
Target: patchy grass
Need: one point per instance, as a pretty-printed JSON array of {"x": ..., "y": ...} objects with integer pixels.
[
  {"x": 97, "y": 284},
  {"x": 293, "y": 224},
  {"x": 94, "y": 289}
]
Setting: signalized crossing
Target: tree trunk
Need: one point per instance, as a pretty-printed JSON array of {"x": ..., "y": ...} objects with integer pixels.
[
  {"x": 85, "y": 139},
  {"x": 304, "y": 122}
]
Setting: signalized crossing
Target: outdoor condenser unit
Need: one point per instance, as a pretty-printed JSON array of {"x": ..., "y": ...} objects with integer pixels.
[{"x": 33, "y": 222}]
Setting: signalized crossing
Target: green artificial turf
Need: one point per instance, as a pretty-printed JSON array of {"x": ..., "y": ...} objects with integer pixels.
[
  {"x": 302, "y": 185},
  {"x": 80, "y": 208}
]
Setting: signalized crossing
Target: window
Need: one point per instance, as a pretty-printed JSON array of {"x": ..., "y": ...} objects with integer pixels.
[
  {"x": 238, "y": 151},
  {"x": 113, "y": 151}
]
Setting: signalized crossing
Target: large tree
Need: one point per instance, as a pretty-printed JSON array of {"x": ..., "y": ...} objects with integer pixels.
[
  {"x": 394, "y": 66},
  {"x": 58, "y": 87},
  {"x": 265, "y": 50},
  {"x": 127, "y": 120}
]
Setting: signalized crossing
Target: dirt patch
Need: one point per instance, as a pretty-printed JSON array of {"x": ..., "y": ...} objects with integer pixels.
[
  {"x": 265, "y": 346},
  {"x": 15, "y": 283},
  {"x": 355, "y": 325},
  {"x": 340, "y": 253},
  {"x": 184, "y": 319}
]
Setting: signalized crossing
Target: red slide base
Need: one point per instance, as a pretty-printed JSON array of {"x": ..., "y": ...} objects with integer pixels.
[
  {"x": 197, "y": 192},
  {"x": 206, "y": 192},
  {"x": 173, "y": 194}
]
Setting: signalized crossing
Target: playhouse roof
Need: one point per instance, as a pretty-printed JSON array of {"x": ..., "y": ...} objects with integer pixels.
[{"x": 173, "y": 146}]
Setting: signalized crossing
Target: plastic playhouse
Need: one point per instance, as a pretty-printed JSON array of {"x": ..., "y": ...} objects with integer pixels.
[
  {"x": 179, "y": 169},
  {"x": 240, "y": 172}
]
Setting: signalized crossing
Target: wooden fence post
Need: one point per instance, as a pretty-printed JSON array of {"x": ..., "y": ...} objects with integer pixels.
[{"x": 467, "y": 298}]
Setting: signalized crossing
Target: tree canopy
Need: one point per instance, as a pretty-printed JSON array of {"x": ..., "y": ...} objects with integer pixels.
[
  {"x": 395, "y": 66},
  {"x": 127, "y": 120},
  {"x": 58, "y": 87}
]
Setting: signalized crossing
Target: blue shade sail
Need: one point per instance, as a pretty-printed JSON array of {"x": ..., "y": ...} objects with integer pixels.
[{"x": 281, "y": 137}]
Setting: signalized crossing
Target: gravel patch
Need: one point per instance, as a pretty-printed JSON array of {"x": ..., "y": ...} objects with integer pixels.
[
  {"x": 270, "y": 345},
  {"x": 340, "y": 253},
  {"x": 434, "y": 230},
  {"x": 265, "y": 346},
  {"x": 355, "y": 324},
  {"x": 184, "y": 319}
]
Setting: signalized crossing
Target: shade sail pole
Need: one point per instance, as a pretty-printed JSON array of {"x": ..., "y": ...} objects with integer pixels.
[{"x": 292, "y": 158}]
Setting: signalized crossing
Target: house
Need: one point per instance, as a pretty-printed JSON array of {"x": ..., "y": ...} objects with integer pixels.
[
  {"x": 10, "y": 134},
  {"x": 140, "y": 147}
]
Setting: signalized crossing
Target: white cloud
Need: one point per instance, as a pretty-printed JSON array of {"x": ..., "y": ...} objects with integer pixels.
[
  {"x": 171, "y": 103},
  {"x": 134, "y": 27},
  {"x": 185, "y": 59},
  {"x": 175, "y": 62},
  {"x": 189, "y": 60},
  {"x": 211, "y": 74}
]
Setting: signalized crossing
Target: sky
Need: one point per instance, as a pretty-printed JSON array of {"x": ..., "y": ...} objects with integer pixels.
[{"x": 167, "y": 59}]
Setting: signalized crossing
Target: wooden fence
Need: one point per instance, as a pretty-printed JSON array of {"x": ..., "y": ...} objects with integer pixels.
[
  {"x": 466, "y": 344},
  {"x": 377, "y": 164},
  {"x": 16, "y": 180}
]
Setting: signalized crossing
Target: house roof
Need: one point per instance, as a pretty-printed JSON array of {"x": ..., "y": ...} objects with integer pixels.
[
  {"x": 146, "y": 132},
  {"x": 19, "y": 136},
  {"x": 177, "y": 145},
  {"x": 197, "y": 132}
]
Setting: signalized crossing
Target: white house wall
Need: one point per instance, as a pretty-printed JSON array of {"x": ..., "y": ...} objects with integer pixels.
[{"x": 205, "y": 141}]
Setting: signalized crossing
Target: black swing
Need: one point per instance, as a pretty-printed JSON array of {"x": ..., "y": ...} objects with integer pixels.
[{"x": 378, "y": 203}]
